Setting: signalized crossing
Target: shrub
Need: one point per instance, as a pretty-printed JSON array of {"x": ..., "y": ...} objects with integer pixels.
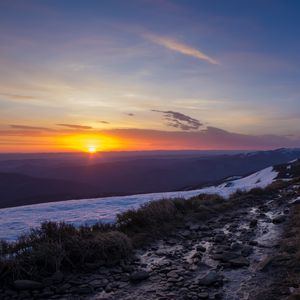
[
  {"x": 60, "y": 246},
  {"x": 148, "y": 216}
]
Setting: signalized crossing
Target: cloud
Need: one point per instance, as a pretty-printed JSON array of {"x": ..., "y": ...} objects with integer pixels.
[
  {"x": 18, "y": 97},
  {"x": 179, "y": 120},
  {"x": 75, "y": 126},
  {"x": 130, "y": 114},
  {"x": 179, "y": 47},
  {"x": 211, "y": 138},
  {"x": 104, "y": 122},
  {"x": 25, "y": 127}
]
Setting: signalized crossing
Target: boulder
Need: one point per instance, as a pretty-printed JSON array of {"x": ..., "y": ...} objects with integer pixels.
[
  {"x": 239, "y": 262},
  {"x": 203, "y": 295},
  {"x": 279, "y": 219},
  {"x": 253, "y": 223},
  {"x": 139, "y": 276},
  {"x": 27, "y": 285},
  {"x": 201, "y": 248},
  {"x": 84, "y": 290},
  {"x": 226, "y": 256},
  {"x": 210, "y": 278}
]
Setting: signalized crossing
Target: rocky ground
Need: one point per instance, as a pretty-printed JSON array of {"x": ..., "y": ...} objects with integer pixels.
[{"x": 229, "y": 257}]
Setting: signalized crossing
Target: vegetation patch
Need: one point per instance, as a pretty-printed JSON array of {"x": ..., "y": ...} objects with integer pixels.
[{"x": 62, "y": 247}]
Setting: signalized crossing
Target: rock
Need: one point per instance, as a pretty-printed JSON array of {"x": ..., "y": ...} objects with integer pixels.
[
  {"x": 253, "y": 243},
  {"x": 173, "y": 274},
  {"x": 279, "y": 219},
  {"x": 194, "y": 227},
  {"x": 264, "y": 264},
  {"x": 57, "y": 277},
  {"x": 139, "y": 276},
  {"x": 226, "y": 256},
  {"x": 201, "y": 248},
  {"x": 247, "y": 250},
  {"x": 84, "y": 290},
  {"x": 210, "y": 278},
  {"x": 239, "y": 262},
  {"x": 219, "y": 237},
  {"x": 27, "y": 285},
  {"x": 296, "y": 202},
  {"x": 204, "y": 228},
  {"x": 253, "y": 223},
  {"x": 203, "y": 295},
  {"x": 46, "y": 293},
  {"x": 218, "y": 296},
  {"x": 98, "y": 283},
  {"x": 185, "y": 233}
]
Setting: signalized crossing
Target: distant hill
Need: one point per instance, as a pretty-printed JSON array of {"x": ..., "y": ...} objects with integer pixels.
[
  {"x": 53, "y": 178},
  {"x": 18, "y": 189}
]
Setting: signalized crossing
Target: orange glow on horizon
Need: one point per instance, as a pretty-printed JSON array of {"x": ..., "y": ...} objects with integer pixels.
[{"x": 90, "y": 143}]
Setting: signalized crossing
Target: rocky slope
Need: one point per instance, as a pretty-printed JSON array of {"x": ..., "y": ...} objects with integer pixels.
[{"x": 237, "y": 255}]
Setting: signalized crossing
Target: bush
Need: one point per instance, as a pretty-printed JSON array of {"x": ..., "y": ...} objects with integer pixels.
[
  {"x": 148, "y": 216},
  {"x": 59, "y": 246}
]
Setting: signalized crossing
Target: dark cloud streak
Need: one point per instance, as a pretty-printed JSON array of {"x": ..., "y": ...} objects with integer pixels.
[
  {"x": 180, "y": 120},
  {"x": 75, "y": 126},
  {"x": 25, "y": 127}
]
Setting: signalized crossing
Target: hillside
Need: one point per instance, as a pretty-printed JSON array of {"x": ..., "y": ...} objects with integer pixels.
[
  {"x": 19, "y": 189},
  {"x": 204, "y": 247}
]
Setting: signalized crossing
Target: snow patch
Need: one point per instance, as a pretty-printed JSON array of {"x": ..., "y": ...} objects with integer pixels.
[{"x": 17, "y": 220}]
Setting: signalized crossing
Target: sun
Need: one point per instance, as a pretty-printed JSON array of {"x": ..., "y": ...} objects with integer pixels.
[{"x": 92, "y": 149}]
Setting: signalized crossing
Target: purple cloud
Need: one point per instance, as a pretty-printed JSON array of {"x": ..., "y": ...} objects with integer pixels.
[
  {"x": 75, "y": 126},
  {"x": 179, "y": 120}
]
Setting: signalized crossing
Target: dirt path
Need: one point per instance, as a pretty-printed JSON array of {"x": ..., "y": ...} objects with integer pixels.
[{"x": 224, "y": 259}]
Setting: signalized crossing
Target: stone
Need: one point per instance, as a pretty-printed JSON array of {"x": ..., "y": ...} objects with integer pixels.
[
  {"x": 185, "y": 233},
  {"x": 194, "y": 227},
  {"x": 279, "y": 219},
  {"x": 246, "y": 251},
  {"x": 203, "y": 295},
  {"x": 219, "y": 237},
  {"x": 139, "y": 276},
  {"x": 84, "y": 290},
  {"x": 253, "y": 243},
  {"x": 57, "y": 277},
  {"x": 264, "y": 264},
  {"x": 173, "y": 274},
  {"x": 239, "y": 262},
  {"x": 201, "y": 248},
  {"x": 98, "y": 283},
  {"x": 27, "y": 285},
  {"x": 226, "y": 256},
  {"x": 253, "y": 223},
  {"x": 210, "y": 278}
]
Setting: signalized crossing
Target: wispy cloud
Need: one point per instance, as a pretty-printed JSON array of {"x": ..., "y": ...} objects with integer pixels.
[
  {"x": 18, "y": 97},
  {"x": 180, "y": 47},
  {"x": 75, "y": 126},
  {"x": 179, "y": 120},
  {"x": 25, "y": 127}
]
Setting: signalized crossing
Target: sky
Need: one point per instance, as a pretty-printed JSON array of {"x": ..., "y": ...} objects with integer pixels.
[{"x": 149, "y": 74}]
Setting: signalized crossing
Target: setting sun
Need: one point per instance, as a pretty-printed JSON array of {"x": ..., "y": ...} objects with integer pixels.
[{"x": 92, "y": 149}]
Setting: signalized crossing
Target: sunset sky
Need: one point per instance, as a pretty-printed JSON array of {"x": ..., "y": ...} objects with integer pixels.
[{"x": 149, "y": 74}]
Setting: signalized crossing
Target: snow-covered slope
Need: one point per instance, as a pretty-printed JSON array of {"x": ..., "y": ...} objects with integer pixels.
[{"x": 17, "y": 220}]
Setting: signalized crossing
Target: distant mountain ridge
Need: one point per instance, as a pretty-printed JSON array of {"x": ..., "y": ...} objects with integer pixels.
[{"x": 30, "y": 181}]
